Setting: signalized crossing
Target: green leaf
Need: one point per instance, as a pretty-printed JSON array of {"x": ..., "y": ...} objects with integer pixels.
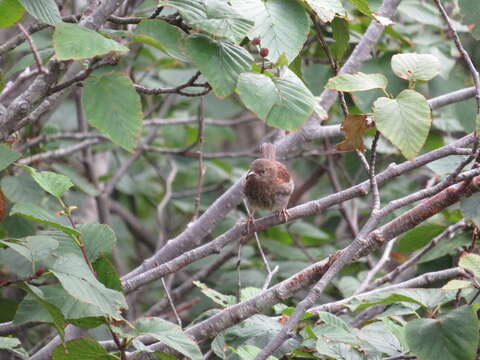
[
  {"x": 7, "y": 156},
  {"x": 163, "y": 36},
  {"x": 276, "y": 34},
  {"x": 107, "y": 274},
  {"x": 220, "y": 62},
  {"x": 357, "y": 82},
  {"x": 84, "y": 348},
  {"x": 470, "y": 262},
  {"x": 470, "y": 207},
  {"x": 453, "y": 336},
  {"x": 13, "y": 345},
  {"x": 303, "y": 228},
  {"x": 378, "y": 336},
  {"x": 424, "y": 297},
  {"x": 456, "y": 284},
  {"x": 37, "y": 213},
  {"x": 341, "y": 37},
  {"x": 55, "y": 314},
  {"x": 71, "y": 308},
  {"x": 405, "y": 121},
  {"x": 362, "y": 6},
  {"x": 52, "y": 183},
  {"x": 43, "y": 10},
  {"x": 98, "y": 239},
  {"x": 215, "y": 296},
  {"x": 445, "y": 247},
  {"x": 22, "y": 188},
  {"x": 337, "y": 350},
  {"x": 412, "y": 66},
  {"x": 327, "y": 9},
  {"x": 75, "y": 42},
  {"x": 170, "y": 334},
  {"x": 12, "y": 11},
  {"x": 79, "y": 181},
  {"x": 283, "y": 102},
  {"x": 33, "y": 248},
  {"x": 113, "y": 107},
  {"x": 190, "y": 10},
  {"x": 249, "y": 352},
  {"x": 334, "y": 329},
  {"x": 224, "y": 21},
  {"x": 471, "y": 15},
  {"x": 77, "y": 279},
  {"x": 418, "y": 237}
]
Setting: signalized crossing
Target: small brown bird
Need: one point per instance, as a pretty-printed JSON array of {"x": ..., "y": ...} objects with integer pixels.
[{"x": 268, "y": 184}]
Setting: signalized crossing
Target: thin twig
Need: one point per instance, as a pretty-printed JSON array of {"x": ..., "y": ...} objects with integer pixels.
[
  {"x": 373, "y": 179},
  {"x": 237, "y": 268},
  {"x": 463, "y": 53},
  {"x": 201, "y": 168},
  {"x": 172, "y": 305},
  {"x": 36, "y": 55},
  {"x": 378, "y": 266}
]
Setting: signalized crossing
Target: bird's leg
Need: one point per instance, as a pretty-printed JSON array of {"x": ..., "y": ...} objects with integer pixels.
[
  {"x": 251, "y": 221},
  {"x": 285, "y": 214}
]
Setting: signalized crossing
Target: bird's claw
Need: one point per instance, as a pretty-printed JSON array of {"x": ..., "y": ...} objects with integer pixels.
[{"x": 285, "y": 214}]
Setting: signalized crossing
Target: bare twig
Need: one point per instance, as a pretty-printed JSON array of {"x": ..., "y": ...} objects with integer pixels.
[
  {"x": 201, "y": 167},
  {"x": 36, "y": 55},
  {"x": 172, "y": 305},
  {"x": 463, "y": 53}
]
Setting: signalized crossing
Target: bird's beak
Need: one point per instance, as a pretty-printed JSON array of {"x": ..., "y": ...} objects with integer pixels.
[{"x": 250, "y": 173}]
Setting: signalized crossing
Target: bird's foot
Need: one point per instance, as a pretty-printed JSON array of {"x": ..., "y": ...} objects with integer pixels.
[
  {"x": 284, "y": 214},
  {"x": 250, "y": 224}
]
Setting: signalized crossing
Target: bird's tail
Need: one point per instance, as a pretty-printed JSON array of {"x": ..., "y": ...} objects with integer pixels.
[{"x": 268, "y": 151}]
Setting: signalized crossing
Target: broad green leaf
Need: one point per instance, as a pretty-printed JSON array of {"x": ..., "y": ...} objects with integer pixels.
[
  {"x": 471, "y": 15},
  {"x": 357, "y": 82},
  {"x": 249, "y": 352},
  {"x": 249, "y": 292},
  {"x": 470, "y": 262},
  {"x": 113, "y": 107},
  {"x": 107, "y": 274},
  {"x": 276, "y": 34},
  {"x": 170, "y": 334},
  {"x": 215, "y": 296},
  {"x": 12, "y": 11},
  {"x": 71, "y": 308},
  {"x": 453, "y": 336},
  {"x": 405, "y": 121},
  {"x": 54, "y": 312},
  {"x": 304, "y": 228},
  {"x": 412, "y": 66},
  {"x": 418, "y": 237},
  {"x": 447, "y": 165},
  {"x": 224, "y": 21},
  {"x": 380, "y": 338},
  {"x": 43, "y": 10},
  {"x": 52, "y": 183},
  {"x": 220, "y": 62},
  {"x": 7, "y": 156},
  {"x": 337, "y": 350},
  {"x": 98, "y": 239},
  {"x": 283, "y": 102},
  {"x": 424, "y": 297},
  {"x": 13, "y": 345},
  {"x": 22, "y": 188},
  {"x": 447, "y": 246},
  {"x": 84, "y": 348},
  {"x": 33, "y": 248},
  {"x": 163, "y": 36},
  {"x": 470, "y": 207},
  {"x": 341, "y": 37},
  {"x": 75, "y": 42},
  {"x": 190, "y": 10},
  {"x": 362, "y": 6},
  {"x": 77, "y": 279},
  {"x": 37, "y": 213},
  {"x": 456, "y": 284},
  {"x": 334, "y": 329},
  {"x": 327, "y": 9},
  {"x": 79, "y": 181}
]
